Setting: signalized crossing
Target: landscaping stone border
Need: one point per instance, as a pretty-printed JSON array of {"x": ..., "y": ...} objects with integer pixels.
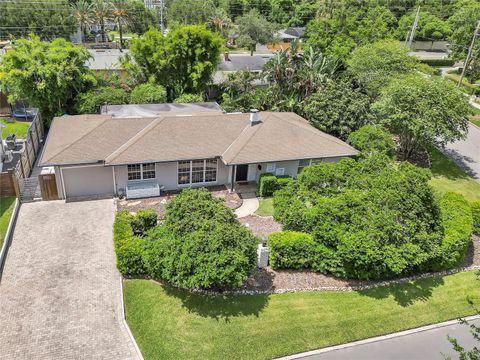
[
  {"x": 8, "y": 235},
  {"x": 374, "y": 285}
]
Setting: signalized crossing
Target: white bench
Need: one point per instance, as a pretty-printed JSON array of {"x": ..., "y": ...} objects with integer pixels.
[{"x": 142, "y": 190}]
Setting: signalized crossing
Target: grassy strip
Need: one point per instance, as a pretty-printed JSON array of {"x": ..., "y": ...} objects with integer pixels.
[
  {"x": 6, "y": 208},
  {"x": 466, "y": 85},
  {"x": 266, "y": 207},
  {"x": 172, "y": 324},
  {"x": 18, "y": 128},
  {"x": 447, "y": 176}
]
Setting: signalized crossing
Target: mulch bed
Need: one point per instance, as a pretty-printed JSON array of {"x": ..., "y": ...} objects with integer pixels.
[
  {"x": 232, "y": 200},
  {"x": 261, "y": 226},
  {"x": 269, "y": 280}
]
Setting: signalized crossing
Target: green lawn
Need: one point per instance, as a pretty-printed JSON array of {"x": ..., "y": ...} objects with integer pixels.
[
  {"x": 172, "y": 324},
  {"x": 266, "y": 207},
  {"x": 18, "y": 128},
  {"x": 447, "y": 176},
  {"x": 6, "y": 208}
]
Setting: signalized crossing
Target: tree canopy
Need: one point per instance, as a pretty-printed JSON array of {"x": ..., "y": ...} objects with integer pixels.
[
  {"x": 182, "y": 61},
  {"x": 423, "y": 111},
  {"x": 347, "y": 27},
  {"x": 253, "y": 29},
  {"x": 48, "y": 74},
  {"x": 430, "y": 27},
  {"x": 373, "y": 65}
]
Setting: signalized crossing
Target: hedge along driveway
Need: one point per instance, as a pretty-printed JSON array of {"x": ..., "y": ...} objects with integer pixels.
[{"x": 173, "y": 324}]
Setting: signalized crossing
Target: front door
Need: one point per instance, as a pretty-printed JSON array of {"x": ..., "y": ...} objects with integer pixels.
[{"x": 242, "y": 173}]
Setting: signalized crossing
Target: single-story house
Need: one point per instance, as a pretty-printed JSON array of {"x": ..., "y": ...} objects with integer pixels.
[{"x": 100, "y": 155}]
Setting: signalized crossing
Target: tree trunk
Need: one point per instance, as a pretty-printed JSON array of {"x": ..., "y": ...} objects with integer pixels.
[
  {"x": 120, "y": 30},
  {"x": 102, "y": 29}
]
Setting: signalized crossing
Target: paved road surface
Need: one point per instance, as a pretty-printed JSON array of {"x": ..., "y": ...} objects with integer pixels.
[
  {"x": 60, "y": 293},
  {"x": 427, "y": 345},
  {"x": 466, "y": 153}
]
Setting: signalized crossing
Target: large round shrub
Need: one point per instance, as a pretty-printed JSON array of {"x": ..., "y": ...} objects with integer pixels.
[
  {"x": 373, "y": 218},
  {"x": 148, "y": 94},
  {"x": 220, "y": 255},
  {"x": 194, "y": 209}
]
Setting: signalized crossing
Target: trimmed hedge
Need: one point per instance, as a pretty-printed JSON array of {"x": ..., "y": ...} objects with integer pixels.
[
  {"x": 438, "y": 62},
  {"x": 269, "y": 183},
  {"x": 291, "y": 250},
  {"x": 476, "y": 216},
  {"x": 145, "y": 220},
  {"x": 457, "y": 220},
  {"x": 128, "y": 247}
]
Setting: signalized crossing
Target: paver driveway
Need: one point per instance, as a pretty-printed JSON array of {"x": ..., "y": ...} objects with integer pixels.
[{"x": 60, "y": 294}]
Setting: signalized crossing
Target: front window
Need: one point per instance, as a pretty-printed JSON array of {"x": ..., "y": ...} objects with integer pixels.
[
  {"x": 141, "y": 171},
  {"x": 184, "y": 172},
  {"x": 197, "y": 171},
  {"x": 302, "y": 164}
]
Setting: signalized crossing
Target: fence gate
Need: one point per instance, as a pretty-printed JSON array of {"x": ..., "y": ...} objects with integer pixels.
[{"x": 48, "y": 186}]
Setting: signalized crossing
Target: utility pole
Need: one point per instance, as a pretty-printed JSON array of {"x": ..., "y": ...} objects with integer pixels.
[
  {"x": 414, "y": 28},
  {"x": 476, "y": 32}
]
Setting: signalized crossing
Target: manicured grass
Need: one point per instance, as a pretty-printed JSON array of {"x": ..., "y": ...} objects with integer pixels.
[
  {"x": 447, "y": 176},
  {"x": 172, "y": 324},
  {"x": 475, "y": 120},
  {"x": 6, "y": 208},
  {"x": 18, "y": 128},
  {"x": 266, "y": 207}
]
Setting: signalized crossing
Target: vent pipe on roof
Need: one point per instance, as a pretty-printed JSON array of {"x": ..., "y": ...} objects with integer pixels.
[{"x": 254, "y": 116}]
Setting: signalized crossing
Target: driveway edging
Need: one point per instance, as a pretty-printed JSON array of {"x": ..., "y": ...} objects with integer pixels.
[
  {"x": 377, "y": 339},
  {"x": 8, "y": 235},
  {"x": 125, "y": 323}
]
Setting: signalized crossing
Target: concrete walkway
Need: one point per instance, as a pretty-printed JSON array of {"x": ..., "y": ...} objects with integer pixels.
[
  {"x": 60, "y": 293},
  {"x": 249, "y": 206},
  {"x": 426, "y": 343}
]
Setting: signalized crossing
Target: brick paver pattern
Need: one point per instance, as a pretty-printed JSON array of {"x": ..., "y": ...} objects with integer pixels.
[{"x": 60, "y": 293}]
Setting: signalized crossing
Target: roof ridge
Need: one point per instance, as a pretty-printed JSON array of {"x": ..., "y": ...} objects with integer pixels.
[
  {"x": 85, "y": 116},
  {"x": 134, "y": 139},
  {"x": 249, "y": 125}
]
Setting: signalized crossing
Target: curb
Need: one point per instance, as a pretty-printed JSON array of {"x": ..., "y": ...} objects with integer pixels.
[
  {"x": 377, "y": 339},
  {"x": 125, "y": 324},
  {"x": 9, "y": 235}
]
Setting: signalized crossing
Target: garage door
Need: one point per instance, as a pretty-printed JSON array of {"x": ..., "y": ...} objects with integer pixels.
[{"x": 88, "y": 181}]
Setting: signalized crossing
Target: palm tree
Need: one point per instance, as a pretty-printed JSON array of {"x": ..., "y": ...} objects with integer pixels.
[
  {"x": 83, "y": 14},
  {"x": 220, "y": 22},
  {"x": 103, "y": 12},
  {"x": 121, "y": 15}
]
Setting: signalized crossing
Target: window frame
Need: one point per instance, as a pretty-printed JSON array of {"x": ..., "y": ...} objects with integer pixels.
[
  {"x": 142, "y": 172},
  {"x": 191, "y": 172}
]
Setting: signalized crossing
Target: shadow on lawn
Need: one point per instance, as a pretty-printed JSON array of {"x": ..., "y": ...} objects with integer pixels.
[
  {"x": 220, "y": 307},
  {"x": 406, "y": 294},
  {"x": 443, "y": 166}
]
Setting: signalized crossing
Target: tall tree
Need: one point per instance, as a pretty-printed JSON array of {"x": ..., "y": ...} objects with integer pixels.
[
  {"x": 374, "y": 65},
  {"x": 46, "y": 18},
  {"x": 350, "y": 26},
  {"x": 190, "y": 11},
  {"x": 83, "y": 13},
  {"x": 429, "y": 28},
  {"x": 182, "y": 61},
  {"x": 102, "y": 10},
  {"x": 48, "y": 75},
  {"x": 254, "y": 29},
  {"x": 121, "y": 16},
  {"x": 463, "y": 23},
  {"x": 422, "y": 112}
]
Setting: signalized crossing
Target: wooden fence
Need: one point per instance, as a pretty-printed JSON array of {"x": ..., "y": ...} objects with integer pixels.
[
  {"x": 13, "y": 181},
  {"x": 35, "y": 135}
]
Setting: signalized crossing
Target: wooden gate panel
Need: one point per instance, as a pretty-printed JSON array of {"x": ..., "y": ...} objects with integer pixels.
[{"x": 48, "y": 186}]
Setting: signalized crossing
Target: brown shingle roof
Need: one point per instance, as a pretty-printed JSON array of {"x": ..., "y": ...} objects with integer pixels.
[{"x": 278, "y": 136}]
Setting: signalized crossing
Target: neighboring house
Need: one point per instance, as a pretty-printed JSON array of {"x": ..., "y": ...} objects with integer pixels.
[
  {"x": 285, "y": 37},
  {"x": 106, "y": 61},
  {"x": 99, "y": 155},
  {"x": 240, "y": 62}
]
